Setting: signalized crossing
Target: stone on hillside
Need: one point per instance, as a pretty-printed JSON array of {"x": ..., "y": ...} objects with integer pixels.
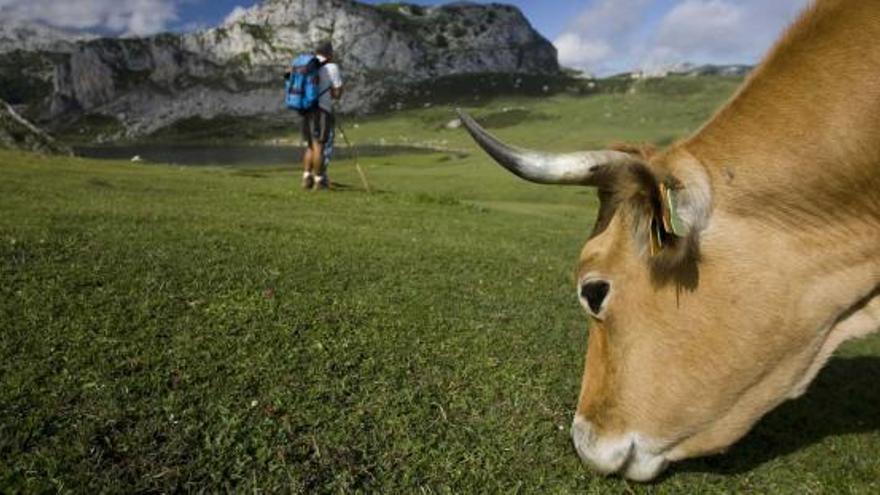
[{"x": 454, "y": 124}]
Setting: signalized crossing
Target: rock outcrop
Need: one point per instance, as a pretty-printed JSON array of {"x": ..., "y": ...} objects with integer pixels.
[
  {"x": 17, "y": 133},
  {"x": 235, "y": 69},
  {"x": 30, "y": 37},
  {"x": 693, "y": 70}
]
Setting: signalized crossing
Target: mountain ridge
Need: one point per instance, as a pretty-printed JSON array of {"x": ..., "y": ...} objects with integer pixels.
[{"x": 145, "y": 84}]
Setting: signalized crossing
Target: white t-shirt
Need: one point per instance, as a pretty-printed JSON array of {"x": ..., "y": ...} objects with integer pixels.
[{"x": 329, "y": 77}]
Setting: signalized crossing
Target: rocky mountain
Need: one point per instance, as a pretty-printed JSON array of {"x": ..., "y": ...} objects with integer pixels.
[
  {"x": 689, "y": 69},
  {"x": 139, "y": 85},
  {"x": 17, "y": 133},
  {"x": 738, "y": 70},
  {"x": 30, "y": 37}
]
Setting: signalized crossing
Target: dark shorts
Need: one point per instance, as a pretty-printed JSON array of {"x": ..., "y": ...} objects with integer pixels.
[{"x": 317, "y": 126}]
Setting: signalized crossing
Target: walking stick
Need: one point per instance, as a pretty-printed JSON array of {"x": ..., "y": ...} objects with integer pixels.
[{"x": 357, "y": 161}]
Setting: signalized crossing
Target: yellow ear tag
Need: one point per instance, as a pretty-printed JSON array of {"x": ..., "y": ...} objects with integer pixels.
[
  {"x": 656, "y": 238},
  {"x": 672, "y": 222}
]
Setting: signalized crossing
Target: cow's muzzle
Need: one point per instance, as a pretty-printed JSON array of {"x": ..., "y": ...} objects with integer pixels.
[{"x": 629, "y": 454}]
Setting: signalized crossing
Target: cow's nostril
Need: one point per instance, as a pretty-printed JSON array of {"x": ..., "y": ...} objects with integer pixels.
[{"x": 595, "y": 292}]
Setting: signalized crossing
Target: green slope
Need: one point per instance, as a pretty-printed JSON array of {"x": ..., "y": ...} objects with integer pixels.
[{"x": 168, "y": 329}]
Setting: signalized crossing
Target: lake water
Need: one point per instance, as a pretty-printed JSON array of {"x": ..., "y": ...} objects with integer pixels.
[{"x": 230, "y": 156}]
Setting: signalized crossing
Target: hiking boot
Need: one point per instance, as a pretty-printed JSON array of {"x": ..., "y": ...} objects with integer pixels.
[
  {"x": 308, "y": 182},
  {"x": 322, "y": 183}
]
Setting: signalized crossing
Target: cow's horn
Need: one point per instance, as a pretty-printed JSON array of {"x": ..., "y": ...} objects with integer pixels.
[{"x": 586, "y": 168}]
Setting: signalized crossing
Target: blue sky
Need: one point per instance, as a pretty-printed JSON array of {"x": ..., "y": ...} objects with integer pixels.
[
  {"x": 548, "y": 16},
  {"x": 599, "y": 36},
  {"x": 609, "y": 36},
  {"x": 207, "y": 12}
]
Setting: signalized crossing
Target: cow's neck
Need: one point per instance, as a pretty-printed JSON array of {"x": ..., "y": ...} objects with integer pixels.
[
  {"x": 796, "y": 153},
  {"x": 800, "y": 143}
]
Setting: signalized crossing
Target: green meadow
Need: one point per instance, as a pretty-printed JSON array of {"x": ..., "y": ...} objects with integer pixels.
[{"x": 169, "y": 329}]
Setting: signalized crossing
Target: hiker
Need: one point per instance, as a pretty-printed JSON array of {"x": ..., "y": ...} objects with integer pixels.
[{"x": 319, "y": 121}]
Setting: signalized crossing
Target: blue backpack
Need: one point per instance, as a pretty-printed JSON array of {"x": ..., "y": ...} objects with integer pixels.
[{"x": 303, "y": 85}]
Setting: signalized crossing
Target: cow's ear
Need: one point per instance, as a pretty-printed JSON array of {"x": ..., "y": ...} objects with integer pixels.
[
  {"x": 686, "y": 194},
  {"x": 682, "y": 208},
  {"x": 668, "y": 232},
  {"x": 670, "y": 210}
]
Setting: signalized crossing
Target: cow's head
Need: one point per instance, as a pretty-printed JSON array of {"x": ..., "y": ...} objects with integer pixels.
[{"x": 687, "y": 346}]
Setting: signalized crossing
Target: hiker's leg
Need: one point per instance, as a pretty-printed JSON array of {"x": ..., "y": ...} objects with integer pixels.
[
  {"x": 308, "y": 179},
  {"x": 317, "y": 156},
  {"x": 325, "y": 123},
  {"x": 328, "y": 155},
  {"x": 307, "y": 160}
]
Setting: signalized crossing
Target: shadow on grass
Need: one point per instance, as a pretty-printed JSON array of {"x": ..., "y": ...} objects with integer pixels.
[
  {"x": 843, "y": 399},
  {"x": 339, "y": 187}
]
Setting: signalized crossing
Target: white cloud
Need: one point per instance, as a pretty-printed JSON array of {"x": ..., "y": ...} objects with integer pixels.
[
  {"x": 128, "y": 17},
  {"x": 578, "y": 51},
  {"x": 713, "y": 25},
  {"x": 600, "y": 33},
  {"x": 698, "y": 31},
  {"x": 721, "y": 31}
]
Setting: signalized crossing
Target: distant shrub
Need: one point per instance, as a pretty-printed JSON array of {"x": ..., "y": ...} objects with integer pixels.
[
  {"x": 402, "y": 16},
  {"x": 220, "y": 34},
  {"x": 441, "y": 41},
  {"x": 258, "y": 32},
  {"x": 241, "y": 59},
  {"x": 19, "y": 86}
]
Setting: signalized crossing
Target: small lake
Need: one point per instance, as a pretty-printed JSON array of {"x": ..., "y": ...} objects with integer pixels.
[{"x": 230, "y": 156}]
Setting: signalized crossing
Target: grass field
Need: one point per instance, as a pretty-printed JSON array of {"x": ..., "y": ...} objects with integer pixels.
[
  {"x": 169, "y": 329},
  {"x": 656, "y": 111}
]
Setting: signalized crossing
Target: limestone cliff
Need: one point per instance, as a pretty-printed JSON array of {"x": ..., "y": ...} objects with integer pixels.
[
  {"x": 235, "y": 69},
  {"x": 17, "y": 36}
]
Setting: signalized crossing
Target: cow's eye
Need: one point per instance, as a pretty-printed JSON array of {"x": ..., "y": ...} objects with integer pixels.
[{"x": 594, "y": 294}]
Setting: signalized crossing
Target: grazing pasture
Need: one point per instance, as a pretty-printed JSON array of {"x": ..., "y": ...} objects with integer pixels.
[{"x": 171, "y": 329}]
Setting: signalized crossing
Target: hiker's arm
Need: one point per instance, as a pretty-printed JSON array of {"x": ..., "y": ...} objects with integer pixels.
[{"x": 335, "y": 81}]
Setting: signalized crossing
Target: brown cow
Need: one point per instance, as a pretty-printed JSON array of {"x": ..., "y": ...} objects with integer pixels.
[{"x": 724, "y": 271}]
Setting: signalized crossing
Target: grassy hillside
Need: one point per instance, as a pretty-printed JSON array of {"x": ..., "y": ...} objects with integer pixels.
[
  {"x": 169, "y": 329},
  {"x": 571, "y": 114},
  {"x": 656, "y": 111}
]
